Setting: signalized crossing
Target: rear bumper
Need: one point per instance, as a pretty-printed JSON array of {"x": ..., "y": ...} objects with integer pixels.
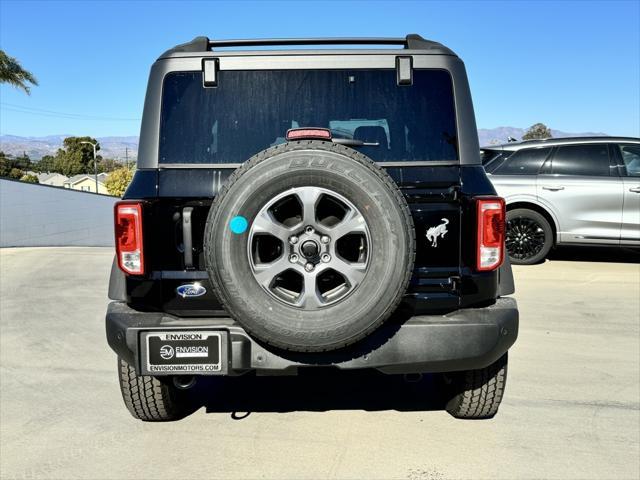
[{"x": 462, "y": 340}]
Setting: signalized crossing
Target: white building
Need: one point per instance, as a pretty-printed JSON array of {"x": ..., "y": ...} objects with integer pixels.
[
  {"x": 53, "y": 179},
  {"x": 87, "y": 183}
]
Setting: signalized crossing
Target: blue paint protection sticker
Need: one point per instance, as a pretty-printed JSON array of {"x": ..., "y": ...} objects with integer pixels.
[{"x": 238, "y": 224}]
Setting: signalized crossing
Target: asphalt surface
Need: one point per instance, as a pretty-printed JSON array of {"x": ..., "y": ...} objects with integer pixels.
[{"x": 572, "y": 405}]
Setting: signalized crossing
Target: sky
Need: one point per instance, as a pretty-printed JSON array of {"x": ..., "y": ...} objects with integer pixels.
[{"x": 574, "y": 66}]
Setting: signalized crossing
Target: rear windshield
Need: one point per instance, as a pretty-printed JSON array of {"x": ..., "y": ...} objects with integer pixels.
[{"x": 251, "y": 110}]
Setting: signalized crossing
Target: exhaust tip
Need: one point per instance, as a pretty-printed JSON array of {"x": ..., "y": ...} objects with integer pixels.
[{"x": 184, "y": 382}]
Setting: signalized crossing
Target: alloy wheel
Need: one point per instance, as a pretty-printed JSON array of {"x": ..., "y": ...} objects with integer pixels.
[
  {"x": 525, "y": 238},
  {"x": 309, "y": 247}
]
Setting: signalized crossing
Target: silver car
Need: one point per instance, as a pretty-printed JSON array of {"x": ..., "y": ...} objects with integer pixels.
[{"x": 567, "y": 191}]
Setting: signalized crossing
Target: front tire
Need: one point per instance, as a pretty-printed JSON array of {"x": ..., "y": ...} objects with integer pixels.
[
  {"x": 529, "y": 236},
  {"x": 149, "y": 399},
  {"x": 477, "y": 394}
]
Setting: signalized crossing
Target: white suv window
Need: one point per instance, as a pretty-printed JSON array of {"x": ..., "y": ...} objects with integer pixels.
[
  {"x": 587, "y": 160},
  {"x": 631, "y": 159},
  {"x": 524, "y": 162}
]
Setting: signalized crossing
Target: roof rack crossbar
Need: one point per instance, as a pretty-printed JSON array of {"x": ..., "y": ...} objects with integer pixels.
[
  {"x": 410, "y": 42},
  {"x": 308, "y": 41}
]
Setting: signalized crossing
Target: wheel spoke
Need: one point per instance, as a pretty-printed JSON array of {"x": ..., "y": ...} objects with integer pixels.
[
  {"x": 310, "y": 296},
  {"x": 309, "y": 198},
  {"x": 353, "y": 273},
  {"x": 265, "y": 223},
  {"x": 266, "y": 272},
  {"x": 353, "y": 222}
]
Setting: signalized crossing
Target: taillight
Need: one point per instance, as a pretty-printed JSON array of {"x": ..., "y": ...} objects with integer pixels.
[
  {"x": 128, "y": 220},
  {"x": 491, "y": 227}
]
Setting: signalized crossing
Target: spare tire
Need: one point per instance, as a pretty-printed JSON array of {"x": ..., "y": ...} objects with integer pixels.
[{"x": 309, "y": 246}]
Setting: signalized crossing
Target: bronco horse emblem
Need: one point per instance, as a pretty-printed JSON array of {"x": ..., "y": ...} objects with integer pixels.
[{"x": 438, "y": 231}]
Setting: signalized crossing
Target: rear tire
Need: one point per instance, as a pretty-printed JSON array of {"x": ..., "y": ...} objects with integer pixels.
[
  {"x": 148, "y": 398},
  {"x": 477, "y": 394},
  {"x": 529, "y": 236}
]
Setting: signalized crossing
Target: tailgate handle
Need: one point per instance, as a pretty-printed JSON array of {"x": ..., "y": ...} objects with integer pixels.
[
  {"x": 187, "y": 239},
  {"x": 635, "y": 189},
  {"x": 552, "y": 188}
]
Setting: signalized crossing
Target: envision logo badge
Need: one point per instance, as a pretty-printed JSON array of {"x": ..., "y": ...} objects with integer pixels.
[
  {"x": 166, "y": 352},
  {"x": 191, "y": 290}
]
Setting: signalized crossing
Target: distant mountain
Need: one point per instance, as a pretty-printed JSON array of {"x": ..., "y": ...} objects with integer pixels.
[
  {"x": 114, "y": 147},
  {"x": 495, "y": 136},
  {"x": 37, "y": 147}
]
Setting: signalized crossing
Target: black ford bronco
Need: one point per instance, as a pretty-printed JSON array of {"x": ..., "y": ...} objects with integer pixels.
[{"x": 297, "y": 208}]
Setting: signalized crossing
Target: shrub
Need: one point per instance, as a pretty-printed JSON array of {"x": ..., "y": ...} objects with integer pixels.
[{"x": 118, "y": 181}]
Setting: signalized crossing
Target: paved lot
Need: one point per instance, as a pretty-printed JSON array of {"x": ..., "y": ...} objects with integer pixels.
[{"x": 571, "y": 410}]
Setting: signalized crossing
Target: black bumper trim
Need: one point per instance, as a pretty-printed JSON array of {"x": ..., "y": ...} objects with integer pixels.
[{"x": 462, "y": 340}]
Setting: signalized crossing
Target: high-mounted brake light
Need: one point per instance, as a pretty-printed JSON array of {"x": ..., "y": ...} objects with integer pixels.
[
  {"x": 128, "y": 223},
  {"x": 308, "y": 134},
  {"x": 491, "y": 228}
]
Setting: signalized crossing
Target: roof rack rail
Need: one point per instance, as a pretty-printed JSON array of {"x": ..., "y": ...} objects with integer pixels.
[{"x": 410, "y": 42}]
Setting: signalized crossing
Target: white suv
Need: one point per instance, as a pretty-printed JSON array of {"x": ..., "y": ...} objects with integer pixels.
[{"x": 567, "y": 191}]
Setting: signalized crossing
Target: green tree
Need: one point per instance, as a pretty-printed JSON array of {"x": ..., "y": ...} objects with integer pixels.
[
  {"x": 47, "y": 164},
  {"x": 11, "y": 72},
  {"x": 75, "y": 157},
  {"x": 16, "y": 173},
  {"x": 5, "y": 165},
  {"x": 29, "y": 178},
  {"x": 538, "y": 131},
  {"x": 22, "y": 162},
  {"x": 118, "y": 181},
  {"x": 106, "y": 165}
]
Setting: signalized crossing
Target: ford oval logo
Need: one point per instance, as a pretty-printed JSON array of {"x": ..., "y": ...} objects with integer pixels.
[{"x": 191, "y": 290}]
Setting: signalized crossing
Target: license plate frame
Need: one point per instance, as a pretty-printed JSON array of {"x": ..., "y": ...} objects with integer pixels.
[{"x": 183, "y": 352}]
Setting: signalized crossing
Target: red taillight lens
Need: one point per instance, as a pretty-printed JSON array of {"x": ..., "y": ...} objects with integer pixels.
[
  {"x": 491, "y": 227},
  {"x": 128, "y": 222}
]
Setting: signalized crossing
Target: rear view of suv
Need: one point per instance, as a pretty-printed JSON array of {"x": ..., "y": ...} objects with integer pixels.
[
  {"x": 564, "y": 191},
  {"x": 295, "y": 209}
]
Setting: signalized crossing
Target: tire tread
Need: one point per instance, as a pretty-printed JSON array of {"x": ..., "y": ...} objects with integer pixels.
[
  {"x": 479, "y": 392},
  {"x": 146, "y": 397}
]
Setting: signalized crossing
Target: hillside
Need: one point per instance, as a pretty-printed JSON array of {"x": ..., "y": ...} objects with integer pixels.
[
  {"x": 114, "y": 147},
  {"x": 491, "y": 136},
  {"x": 37, "y": 147}
]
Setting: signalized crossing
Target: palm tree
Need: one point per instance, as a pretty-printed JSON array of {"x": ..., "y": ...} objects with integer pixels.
[{"x": 11, "y": 72}]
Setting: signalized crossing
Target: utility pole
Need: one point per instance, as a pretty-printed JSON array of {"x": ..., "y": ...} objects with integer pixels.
[{"x": 126, "y": 156}]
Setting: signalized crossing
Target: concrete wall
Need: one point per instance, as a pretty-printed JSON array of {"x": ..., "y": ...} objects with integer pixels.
[{"x": 34, "y": 215}]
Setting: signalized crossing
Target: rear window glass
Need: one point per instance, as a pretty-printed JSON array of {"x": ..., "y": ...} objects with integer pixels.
[
  {"x": 524, "y": 162},
  {"x": 491, "y": 164},
  {"x": 489, "y": 155},
  {"x": 251, "y": 110},
  {"x": 588, "y": 160}
]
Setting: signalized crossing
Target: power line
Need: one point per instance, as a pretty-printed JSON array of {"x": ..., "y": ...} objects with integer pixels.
[{"x": 52, "y": 113}]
